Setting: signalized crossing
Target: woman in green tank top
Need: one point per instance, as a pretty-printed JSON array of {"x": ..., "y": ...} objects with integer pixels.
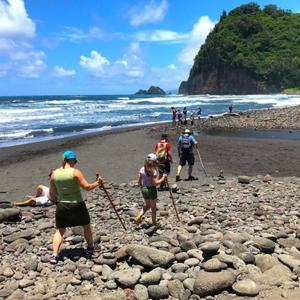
[{"x": 71, "y": 210}]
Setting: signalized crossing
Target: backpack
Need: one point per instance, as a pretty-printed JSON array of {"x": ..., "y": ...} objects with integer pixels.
[
  {"x": 161, "y": 152},
  {"x": 186, "y": 144}
]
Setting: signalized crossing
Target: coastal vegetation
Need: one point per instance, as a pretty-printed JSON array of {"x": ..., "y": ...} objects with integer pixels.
[{"x": 250, "y": 50}]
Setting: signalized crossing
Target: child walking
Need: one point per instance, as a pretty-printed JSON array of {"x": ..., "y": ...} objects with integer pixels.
[{"x": 148, "y": 180}]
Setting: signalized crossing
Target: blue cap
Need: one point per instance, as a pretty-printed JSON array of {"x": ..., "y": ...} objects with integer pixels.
[{"x": 69, "y": 154}]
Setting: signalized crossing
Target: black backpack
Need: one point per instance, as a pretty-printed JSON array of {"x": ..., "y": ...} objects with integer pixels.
[{"x": 186, "y": 144}]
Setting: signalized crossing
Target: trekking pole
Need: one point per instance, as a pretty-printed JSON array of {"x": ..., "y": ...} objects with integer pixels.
[
  {"x": 201, "y": 160},
  {"x": 173, "y": 200},
  {"x": 112, "y": 204}
]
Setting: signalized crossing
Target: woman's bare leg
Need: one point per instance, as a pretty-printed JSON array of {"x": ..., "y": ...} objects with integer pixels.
[
  {"x": 153, "y": 211},
  {"x": 88, "y": 235},
  {"x": 27, "y": 202},
  {"x": 146, "y": 207},
  {"x": 58, "y": 239}
]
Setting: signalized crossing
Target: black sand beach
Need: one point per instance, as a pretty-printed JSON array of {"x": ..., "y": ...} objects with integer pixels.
[
  {"x": 238, "y": 231},
  {"x": 117, "y": 155}
]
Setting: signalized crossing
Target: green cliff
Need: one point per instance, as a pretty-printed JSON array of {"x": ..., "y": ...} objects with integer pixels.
[{"x": 251, "y": 50}]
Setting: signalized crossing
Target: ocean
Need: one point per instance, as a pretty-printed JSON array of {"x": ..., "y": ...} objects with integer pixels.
[{"x": 30, "y": 119}]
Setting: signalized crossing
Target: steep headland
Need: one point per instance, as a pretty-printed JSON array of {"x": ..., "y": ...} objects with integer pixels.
[{"x": 251, "y": 50}]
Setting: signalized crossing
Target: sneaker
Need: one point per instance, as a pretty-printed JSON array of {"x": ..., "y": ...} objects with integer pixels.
[
  {"x": 93, "y": 249},
  {"x": 53, "y": 259},
  {"x": 178, "y": 178}
]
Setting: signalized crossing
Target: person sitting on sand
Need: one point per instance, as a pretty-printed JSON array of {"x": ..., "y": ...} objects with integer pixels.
[
  {"x": 164, "y": 157},
  {"x": 186, "y": 143},
  {"x": 71, "y": 210},
  {"x": 148, "y": 181},
  {"x": 42, "y": 197}
]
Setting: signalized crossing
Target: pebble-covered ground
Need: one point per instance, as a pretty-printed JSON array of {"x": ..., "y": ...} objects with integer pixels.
[
  {"x": 287, "y": 118},
  {"x": 239, "y": 237}
]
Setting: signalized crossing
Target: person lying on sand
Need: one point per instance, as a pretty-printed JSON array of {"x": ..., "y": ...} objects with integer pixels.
[{"x": 42, "y": 197}]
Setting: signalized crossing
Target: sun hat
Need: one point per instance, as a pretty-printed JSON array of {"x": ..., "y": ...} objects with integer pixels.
[
  {"x": 69, "y": 154},
  {"x": 152, "y": 157},
  {"x": 187, "y": 131}
]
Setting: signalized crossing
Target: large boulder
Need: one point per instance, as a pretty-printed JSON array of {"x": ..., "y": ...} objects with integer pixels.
[
  {"x": 128, "y": 277},
  {"x": 10, "y": 215},
  {"x": 150, "y": 257},
  {"x": 207, "y": 283},
  {"x": 25, "y": 234}
]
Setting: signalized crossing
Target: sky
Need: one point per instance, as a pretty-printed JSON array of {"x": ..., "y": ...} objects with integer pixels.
[{"x": 88, "y": 47}]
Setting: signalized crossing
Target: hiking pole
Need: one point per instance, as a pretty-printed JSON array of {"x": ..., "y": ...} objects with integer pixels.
[
  {"x": 112, "y": 204},
  {"x": 173, "y": 200},
  {"x": 201, "y": 160}
]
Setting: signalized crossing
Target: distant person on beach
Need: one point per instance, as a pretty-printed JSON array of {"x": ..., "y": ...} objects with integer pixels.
[
  {"x": 148, "y": 180},
  {"x": 199, "y": 112},
  {"x": 186, "y": 143},
  {"x": 179, "y": 117},
  {"x": 192, "y": 118},
  {"x": 164, "y": 157},
  {"x": 41, "y": 198},
  {"x": 230, "y": 108},
  {"x": 184, "y": 115},
  {"x": 71, "y": 210},
  {"x": 174, "y": 112}
]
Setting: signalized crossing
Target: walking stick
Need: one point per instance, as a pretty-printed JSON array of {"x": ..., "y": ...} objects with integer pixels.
[
  {"x": 112, "y": 204},
  {"x": 173, "y": 200},
  {"x": 201, "y": 160}
]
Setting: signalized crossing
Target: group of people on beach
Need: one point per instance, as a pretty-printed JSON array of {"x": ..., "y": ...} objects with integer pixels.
[
  {"x": 66, "y": 183},
  {"x": 181, "y": 118}
]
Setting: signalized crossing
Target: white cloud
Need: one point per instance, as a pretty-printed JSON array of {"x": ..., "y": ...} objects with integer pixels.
[
  {"x": 160, "y": 36},
  {"x": 129, "y": 65},
  {"x": 76, "y": 35},
  {"x": 16, "y": 32},
  {"x": 197, "y": 37},
  {"x": 95, "y": 64},
  {"x": 61, "y": 72},
  {"x": 32, "y": 66},
  {"x": 150, "y": 13},
  {"x": 14, "y": 21}
]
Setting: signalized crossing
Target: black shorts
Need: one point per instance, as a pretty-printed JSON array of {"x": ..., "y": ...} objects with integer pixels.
[
  {"x": 164, "y": 167},
  {"x": 187, "y": 157},
  {"x": 71, "y": 214}
]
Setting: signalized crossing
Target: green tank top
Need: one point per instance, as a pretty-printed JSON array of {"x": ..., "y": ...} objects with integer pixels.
[{"x": 67, "y": 186}]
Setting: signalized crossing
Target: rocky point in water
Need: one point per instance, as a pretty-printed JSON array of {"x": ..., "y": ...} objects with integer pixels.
[{"x": 153, "y": 90}]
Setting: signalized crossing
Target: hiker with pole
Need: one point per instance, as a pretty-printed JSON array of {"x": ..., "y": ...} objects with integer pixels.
[
  {"x": 186, "y": 143},
  {"x": 65, "y": 184},
  {"x": 148, "y": 180}
]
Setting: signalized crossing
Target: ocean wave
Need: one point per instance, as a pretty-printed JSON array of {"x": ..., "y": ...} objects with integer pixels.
[
  {"x": 63, "y": 102},
  {"x": 123, "y": 98}
]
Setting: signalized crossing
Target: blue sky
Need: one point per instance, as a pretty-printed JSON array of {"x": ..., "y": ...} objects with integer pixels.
[{"x": 51, "y": 47}]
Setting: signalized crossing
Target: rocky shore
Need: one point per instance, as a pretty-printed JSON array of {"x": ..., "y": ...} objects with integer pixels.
[
  {"x": 239, "y": 238},
  {"x": 287, "y": 118}
]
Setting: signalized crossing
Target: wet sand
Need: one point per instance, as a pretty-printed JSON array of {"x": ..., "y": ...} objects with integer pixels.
[{"x": 118, "y": 155}]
